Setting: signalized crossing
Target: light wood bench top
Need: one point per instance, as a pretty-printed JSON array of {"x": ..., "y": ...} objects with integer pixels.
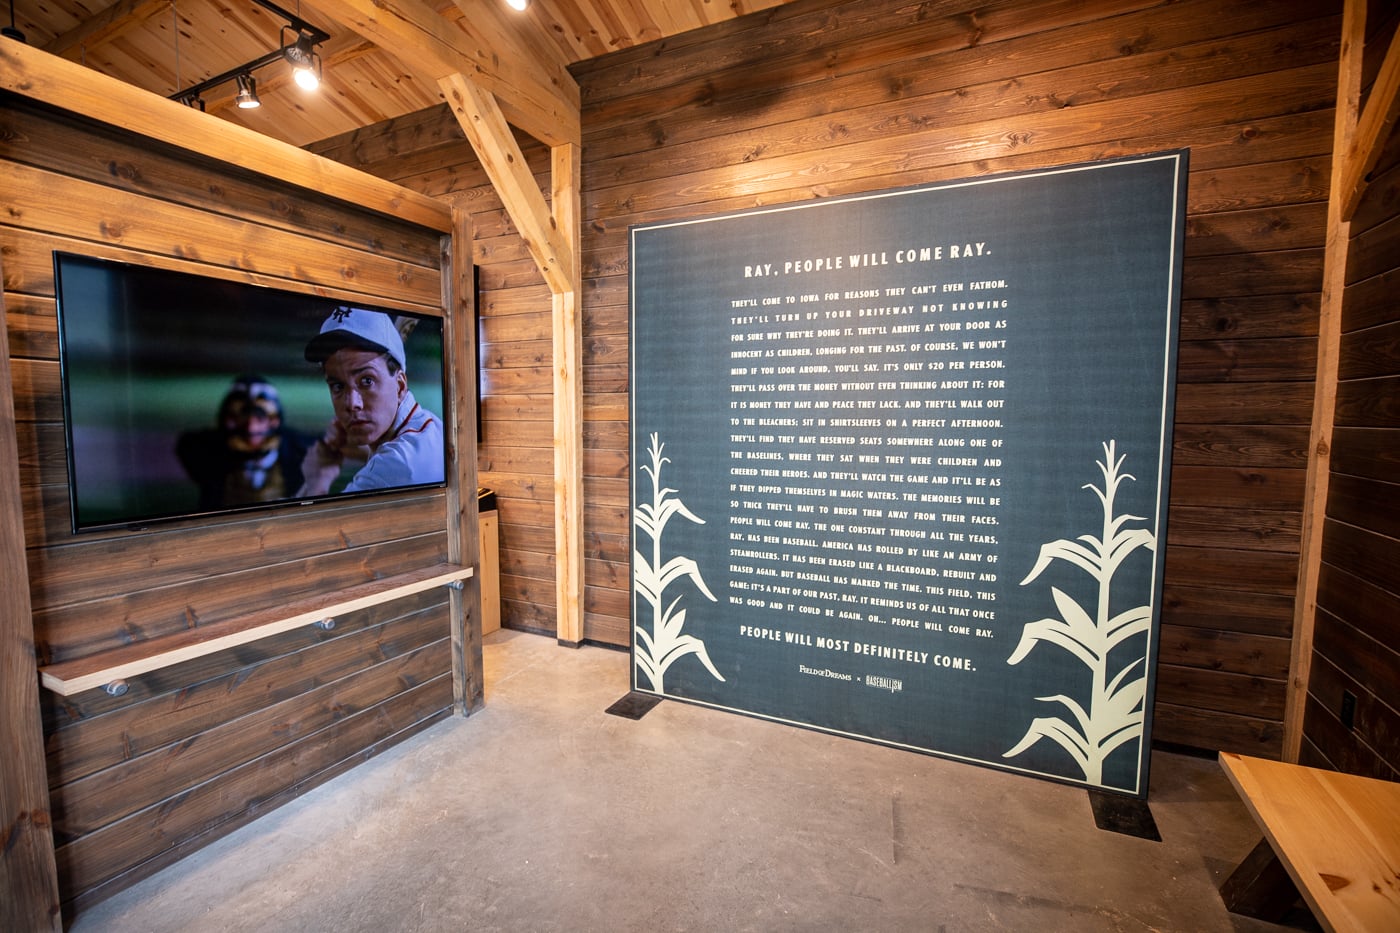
[
  {"x": 69, "y": 677},
  {"x": 1338, "y": 835}
]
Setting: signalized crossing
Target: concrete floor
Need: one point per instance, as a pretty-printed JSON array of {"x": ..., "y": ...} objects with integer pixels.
[{"x": 542, "y": 813}]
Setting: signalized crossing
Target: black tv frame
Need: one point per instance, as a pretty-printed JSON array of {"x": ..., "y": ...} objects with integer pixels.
[{"x": 198, "y": 307}]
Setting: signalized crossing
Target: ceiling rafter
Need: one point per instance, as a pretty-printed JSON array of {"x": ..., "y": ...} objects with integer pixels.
[
  {"x": 538, "y": 96},
  {"x": 522, "y": 58},
  {"x": 104, "y": 26}
]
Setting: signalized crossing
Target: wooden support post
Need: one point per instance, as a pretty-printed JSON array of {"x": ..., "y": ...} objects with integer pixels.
[
  {"x": 552, "y": 236},
  {"x": 28, "y": 873},
  {"x": 568, "y": 405},
  {"x": 463, "y": 546},
  {"x": 1325, "y": 385}
]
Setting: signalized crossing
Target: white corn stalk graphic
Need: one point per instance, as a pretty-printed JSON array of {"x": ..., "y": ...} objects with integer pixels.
[
  {"x": 664, "y": 645},
  {"x": 1115, "y": 713}
]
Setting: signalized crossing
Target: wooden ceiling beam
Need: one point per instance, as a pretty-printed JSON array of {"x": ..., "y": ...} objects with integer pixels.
[
  {"x": 105, "y": 26},
  {"x": 34, "y": 74},
  {"x": 510, "y": 35},
  {"x": 536, "y": 94}
]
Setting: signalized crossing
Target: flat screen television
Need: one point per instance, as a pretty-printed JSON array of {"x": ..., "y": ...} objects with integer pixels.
[{"x": 188, "y": 395}]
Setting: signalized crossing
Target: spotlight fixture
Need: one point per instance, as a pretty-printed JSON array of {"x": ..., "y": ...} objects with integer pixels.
[
  {"x": 517, "y": 4},
  {"x": 301, "y": 55},
  {"x": 247, "y": 98},
  {"x": 297, "y": 47}
]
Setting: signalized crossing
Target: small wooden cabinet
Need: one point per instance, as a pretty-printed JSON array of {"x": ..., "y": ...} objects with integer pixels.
[{"x": 489, "y": 543}]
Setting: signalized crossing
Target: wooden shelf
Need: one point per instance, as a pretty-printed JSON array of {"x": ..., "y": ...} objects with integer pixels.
[{"x": 111, "y": 667}]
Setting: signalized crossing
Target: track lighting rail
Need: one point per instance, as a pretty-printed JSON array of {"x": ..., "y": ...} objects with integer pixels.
[{"x": 300, "y": 53}]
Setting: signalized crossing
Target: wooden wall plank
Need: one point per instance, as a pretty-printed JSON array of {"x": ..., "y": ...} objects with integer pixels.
[
  {"x": 1374, "y": 666},
  {"x": 1369, "y": 403},
  {"x": 1249, "y": 317},
  {"x": 1227, "y": 610},
  {"x": 1195, "y": 526},
  {"x": 1239, "y": 694},
  {"x": 1372, "y": 352},
  {"x": 1365, "y": 503},
  {"x": 1176, "y": 724},
  {"x": 1239, "y": 445},
  {"x": 1261, "y": 403},
  {"x": 81, "y": 571},
  {"x": 64, "y": 206}
]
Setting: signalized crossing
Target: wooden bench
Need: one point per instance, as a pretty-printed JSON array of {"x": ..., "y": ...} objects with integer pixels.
[
  {"x": 108, "y": 668},
  {"x": 1337, "y": 837}
]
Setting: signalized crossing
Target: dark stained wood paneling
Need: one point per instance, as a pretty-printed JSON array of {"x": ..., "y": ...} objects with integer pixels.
[
  {"x": 1357, "y": 625},
  {"x": 1373, "y": 453},
  {"x": 1372, "y": 742},
  {"x": 1279, "y": 360},
  {"x": 1369, "y": 402},
  {"x": 194, "y": 750},
  {"x": 1249, "y": 317},
  {"x": 1245, "y": 403},
  {"x": 79, "y": 630},
  {"x": 1192, "y": 526},
  {"x": 62, "y": 206},
  {"x": 202, "y": 811},
  {"x": 113, "y": 159},
  {"x": 1372, "y": 352},
  {"x": 1225, "y": 610},
  {"x": 1366, "y": 503},
  {"x": 1370, "y": 302},
  {"x": 1263, "y": 488},
  {"x": 1184, "y": 725},
  {"x": 81, "y": 571},
  {"x": 1263, "y": 656},
  {"x": 1268, "y": 572},
  {"x": 1342, "y": 751},
  {"x": 1240, "y": 694},
  {"x": 1240, "y": 445},
  {"x": 83, "y": 806},
  {"x": 1364, "y": 552},
  {"x": 90, "y": 731}
]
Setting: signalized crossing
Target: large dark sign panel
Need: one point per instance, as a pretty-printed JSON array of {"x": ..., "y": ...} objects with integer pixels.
[{"x": 900, "y": 463}]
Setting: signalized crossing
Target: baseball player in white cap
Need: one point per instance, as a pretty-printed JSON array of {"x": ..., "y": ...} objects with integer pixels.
[{"x": 376, "y": 417}]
